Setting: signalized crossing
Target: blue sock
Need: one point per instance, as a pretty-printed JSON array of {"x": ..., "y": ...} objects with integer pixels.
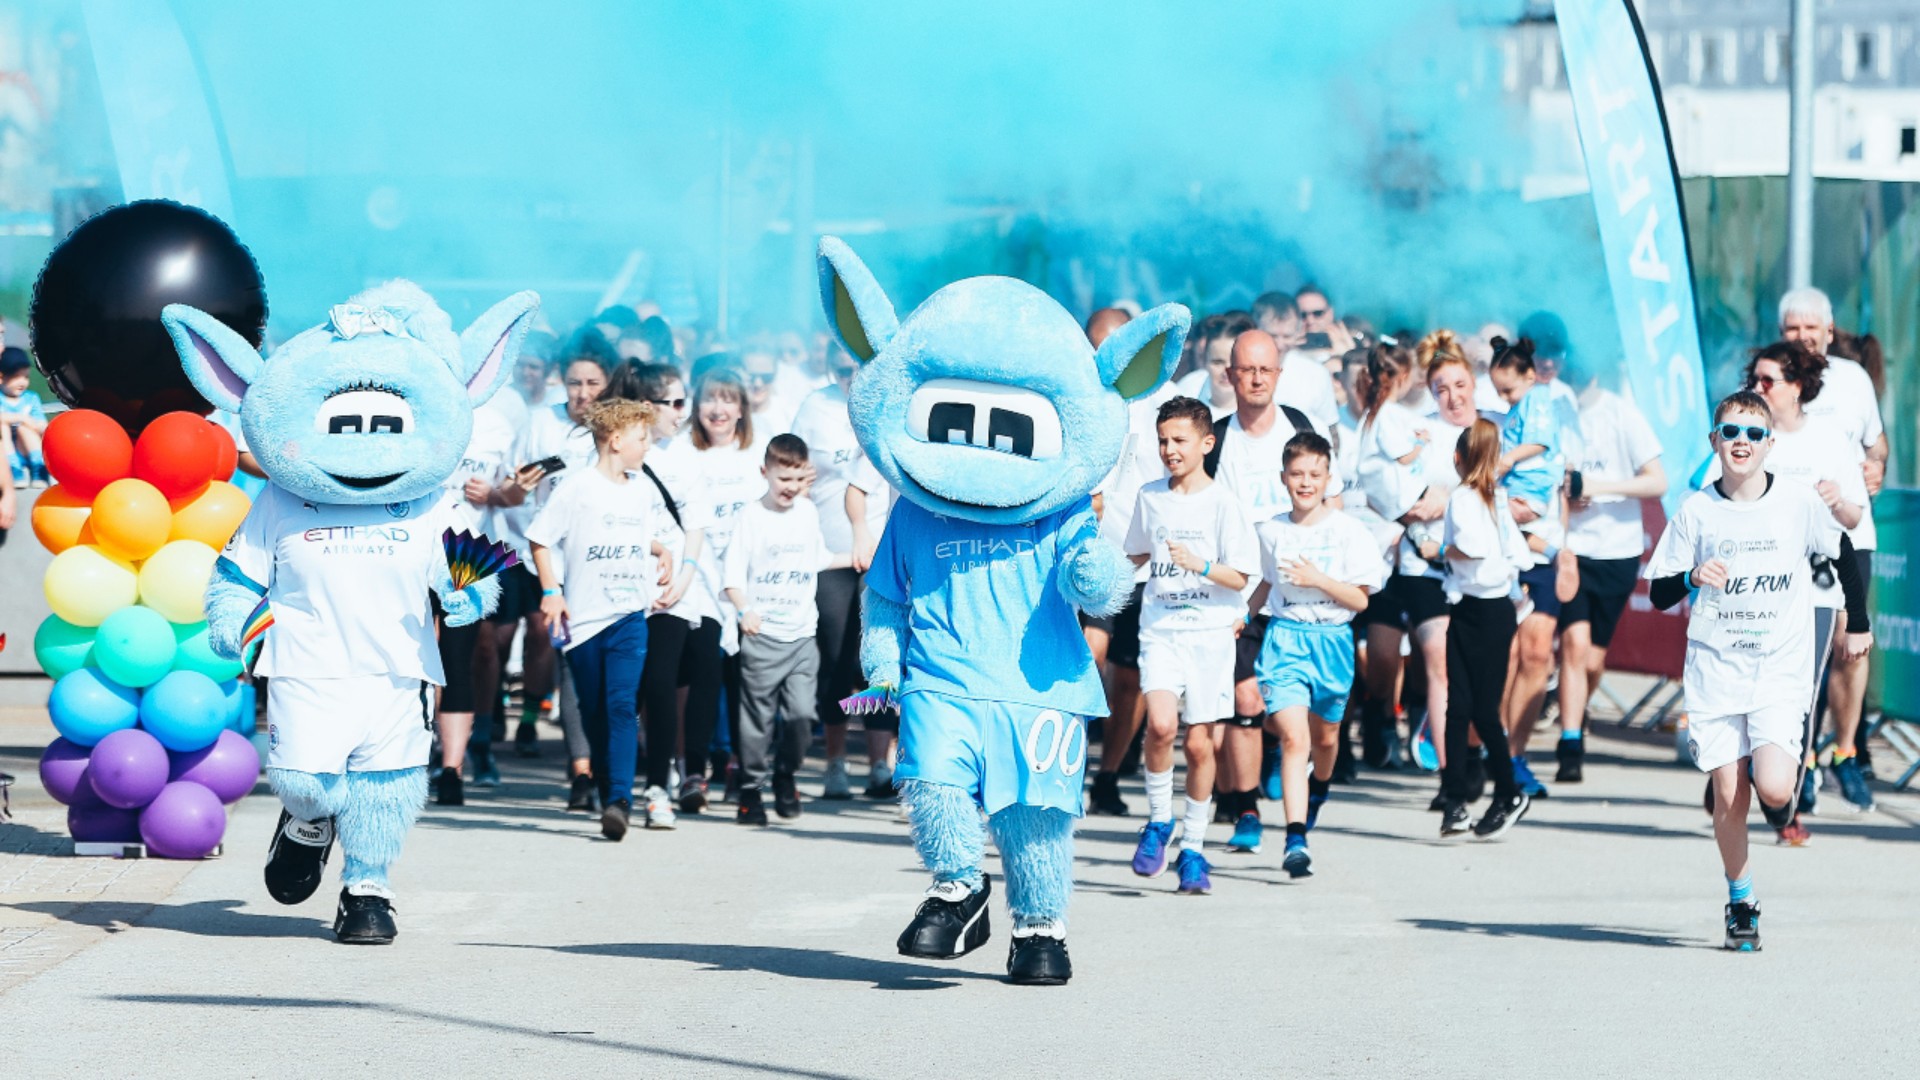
[
  {"x": 1565, "y": 735},
  {"x": 1740, "y": 890}
]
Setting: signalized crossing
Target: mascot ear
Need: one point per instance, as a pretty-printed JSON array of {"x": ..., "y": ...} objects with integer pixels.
[
  {"x": 218, "y": 361},
  {"x": 858, "y": 311},
  {"x": 1140, "y": 355},
  {"x": 490, "y": 346}
]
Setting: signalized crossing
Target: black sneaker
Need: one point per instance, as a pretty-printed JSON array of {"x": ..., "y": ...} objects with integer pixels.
[
  {"x": 297, "y": 857},
  {"x": 615, "y": 818},
  {"x": 581, "y": 795},
  {"x": 526, "y": 740},
  {"x": 751, "y": 811},
  {"x": 1743, "y": 926},
  {"x": 692, "y": 796},
  {"x": 786, "y": 795},
  {"x": 951, "y": 922},
  {"x": 1571, "y": 754},
  {"x": 1453, "y": 820},
  {"x": 882, "y": 787},
  {"x": 1501, "y": 815},
  {"x": 1106, "y": 796},
  {"x": 1038, "y": 960},
  {"x": 449, "y": 789},
  {"x": 364, "y": 920},
  {"x": 1439, "y": 803}
]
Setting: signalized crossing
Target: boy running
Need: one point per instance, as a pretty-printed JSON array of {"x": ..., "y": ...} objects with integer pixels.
[
  {"x": 1742, "y": 548},
  {"x": 1195, "y": 535},
  {"x": 1318, "y": 565}
]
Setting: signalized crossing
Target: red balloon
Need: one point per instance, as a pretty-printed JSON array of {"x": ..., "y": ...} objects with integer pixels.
[
  {"x": 86, "y": 451},
  {"x": 229, "y": 453},
  {"x": 177, "y": 453}
]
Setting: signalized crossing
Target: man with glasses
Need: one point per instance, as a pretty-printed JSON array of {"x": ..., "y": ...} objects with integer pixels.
[{"x": 1305, "y": 381}]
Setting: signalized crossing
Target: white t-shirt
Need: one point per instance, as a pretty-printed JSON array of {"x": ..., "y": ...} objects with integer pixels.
[
  {"x": 1848, "y": 401},
  {"x": 549, "y": 432},
  {"x": 676, "y": 463},
  {"x": 487, "y": 460},
  {"x": 731, "y": 478},
  {"x": 1751, "y": 644},
  {"x": 775, "y": 419},
  {"x": 512, "y": 407},
  {"x": 1346, "y": 447},
  {"x": 1211, "y": 524},
  {"x": 1250, "y": 467},
  {"x": 1496, "y": 551},
  {"x": 1437, "y": 462},
  {"x": 1138, "y": 465},
  {"x": 1817, "y": 452},
  {"x": 1390, "y": 487},
  {"x": 603, "y": 532},
  {"x": 1617, "y": 442},
  {"x": 836, "y": 454},
  {"x": 347, "y": 584},
  {"x": 1339, "y": 545},
  {"x": 774, "y": 559},
  {"x": 1487, "y": 399},
  {"x": 1307, "y": 385}
]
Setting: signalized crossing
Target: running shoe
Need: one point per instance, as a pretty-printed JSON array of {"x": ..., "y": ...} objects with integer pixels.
[
  {"x": 1038, "y": 956},
  {"x": 486, "y": 773},
  {"x": 1865, "y": 758},
  {"x": 1270, "y": 775},
  {"x": 297, "y": 857},
  {"x": 1529, "y": 783},
  {"x": 1192, "y": 868},
  {"x": 364, "y": 920},
  {"x": 1501, "y": 816},
  {"x": 1439, "y": 803},
  {"x": 526, "y": 740},
  {"x": 1853, "y": 785},
  {"x": 836, "y": 784},
  {"x": 1150, "y": 855},
  {"x": 751, "y": 810},
  {"x": 449, "y": 789},
  {"x": 950, "y": 923},
  {"x": 786, "y": 795},
  {"x": 1425, "y": 754},
  {"x": 1809, "y": 801},
  {"x": 1246, "y": 834},
  {"x": 1298, "y": 861},
  {"x": 1314, "y": 803},
  {"x": 880, "y": 784},
  {"x": 615, "y": 819},
  {"x": 692, "y": 795},
  {"x": 731, "y": 792},
  {"x": 1105, "y": 798},
  {"x": 659, "y": 809},
  {"x": 1743, "y": 926},
  {"x": 1454, "y": 820},
  {"x": 1794, "y": 833},
  {"x": 1571, "y": 754},
  {"x": 581, "y": 795}
]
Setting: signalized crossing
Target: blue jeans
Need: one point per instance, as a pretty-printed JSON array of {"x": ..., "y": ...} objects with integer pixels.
[{"x": 606, "y": 677}]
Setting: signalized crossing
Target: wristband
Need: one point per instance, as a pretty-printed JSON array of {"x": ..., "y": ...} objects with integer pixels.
[
  {"x": 549, "y": 592},
  {"x": 1207, "y": 570},
  {"x": 1689, "y": 580}
]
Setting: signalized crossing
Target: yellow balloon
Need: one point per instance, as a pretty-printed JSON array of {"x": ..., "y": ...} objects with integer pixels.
[
  {"x": 131, "y": 517},
  {"x": 211, "y": 516},
  {"x": 174, "y": 581},
  {"x": 87, "y": 583}
]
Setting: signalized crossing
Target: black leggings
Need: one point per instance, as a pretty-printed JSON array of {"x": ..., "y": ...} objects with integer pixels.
[
  {"x": 702, "y": 672},
  {"x": 1479, "y": 636},
  {"x": 660, "y": 692}
]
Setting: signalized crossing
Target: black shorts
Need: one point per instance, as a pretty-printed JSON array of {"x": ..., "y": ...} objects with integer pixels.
[
  {"x": 1123, "y": 630},
  {"x": 1605, "y": 587},
  {"x": 1538, "y": 581},
  {"x": 456, "y": 656},
  {"x": 1416, "y": 599},
  {"x": 1246, "y": 649},
  {"x": 519, "y": 595}
]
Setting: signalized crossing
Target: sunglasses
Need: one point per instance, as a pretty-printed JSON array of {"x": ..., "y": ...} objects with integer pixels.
[
  {"x": 1318, "y": 313},
  {"x": 670, "y": 403},
  {"x": 758, "y": 378},
  {"x": 1766, "y": 382},
  {"x": 1753, "y": 432}
]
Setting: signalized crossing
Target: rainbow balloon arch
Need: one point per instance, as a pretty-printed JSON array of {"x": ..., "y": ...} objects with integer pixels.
[{"x": 153, "y": 727}]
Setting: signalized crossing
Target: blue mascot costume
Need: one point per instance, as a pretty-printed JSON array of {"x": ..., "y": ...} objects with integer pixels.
[
  {"x": 994, "y": 418},
  {"x": 357, "y": 424}
]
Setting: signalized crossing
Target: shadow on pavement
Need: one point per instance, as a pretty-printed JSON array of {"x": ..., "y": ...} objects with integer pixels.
[
  {"x": 205, "y": 918},
  {"x": 1599, "y": 935},
  {"x": 822, "y": 964}
]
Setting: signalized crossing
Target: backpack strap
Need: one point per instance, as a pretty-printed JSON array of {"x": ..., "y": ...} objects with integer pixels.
[
  {"x": 665, "y": 495},
  {"x": 1211, "y": 463}
]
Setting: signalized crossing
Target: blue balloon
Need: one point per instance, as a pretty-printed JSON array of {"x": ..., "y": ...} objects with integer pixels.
[
  {"x": 185, "y": 710},
  {"x": 86, "y": 706}
]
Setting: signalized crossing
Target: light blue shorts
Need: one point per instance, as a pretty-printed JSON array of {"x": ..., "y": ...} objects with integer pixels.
[
  {"x": 1307, "y": 664},
  {"x": 1000, "y": 753}
]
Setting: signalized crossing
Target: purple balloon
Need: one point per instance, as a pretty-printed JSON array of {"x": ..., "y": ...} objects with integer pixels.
[
  {"x": 185, "y": 821},
  {"x": 228, "y": 768},
  {"x": 128, "y": 769},
  {"x": 103, "y": 824},
  {"x": 63, "y": 769}
]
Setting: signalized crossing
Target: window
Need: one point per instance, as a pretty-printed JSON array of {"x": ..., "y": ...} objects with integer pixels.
[
  {"x": 1729, "y": 56},
  {"x": 1774, "y": 56},
  {"x": 1863, "y": 51},
  {"x": 1849, "y": 53},
  {"x": 1706, "y": 55},
  {"x": 1908, "y": 137}
]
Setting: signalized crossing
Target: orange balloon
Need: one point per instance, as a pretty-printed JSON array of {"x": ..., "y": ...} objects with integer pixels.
[
  {"x": 131, "y": 518},
  {"x": 59, "y": 517},
  {"x": 211, "y": 516}
]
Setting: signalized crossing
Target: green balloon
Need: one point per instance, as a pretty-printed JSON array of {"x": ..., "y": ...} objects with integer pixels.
[
  {"x": 194, "y": 654},
  {"x": 134, "y": 646},
  {"x": 62, "y": 647}
]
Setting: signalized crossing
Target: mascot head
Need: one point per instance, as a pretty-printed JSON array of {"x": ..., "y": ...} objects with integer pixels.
[
  {"x": 376, "y": 406},
  {"x": 987, "y": 402}
]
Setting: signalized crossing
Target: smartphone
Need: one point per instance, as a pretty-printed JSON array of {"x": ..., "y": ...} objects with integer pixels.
[
  {"x": 1576, "y": 485},
  {"x": 549, "y": 465},
  {"x": 1318, "y": 340}
]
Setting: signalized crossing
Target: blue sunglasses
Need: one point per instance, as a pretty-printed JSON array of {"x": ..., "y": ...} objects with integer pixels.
[{"x": 1730, "y": 432}]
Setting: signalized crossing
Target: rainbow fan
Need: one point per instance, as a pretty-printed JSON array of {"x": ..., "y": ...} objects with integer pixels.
[
  {"x": 470, "y": 557},
  {"x": 869, "y": 702},
  {"x": 257, "y": 623}
]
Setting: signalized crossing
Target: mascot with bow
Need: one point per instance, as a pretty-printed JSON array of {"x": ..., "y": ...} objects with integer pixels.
[
  {"x": 357, "y": 423},
  {"x": 994, "y": 418}
]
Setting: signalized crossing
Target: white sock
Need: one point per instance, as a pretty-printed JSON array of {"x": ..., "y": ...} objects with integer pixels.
[
  {"x": 1160, "y": 796},
  {"x": 1193, "y": 831}
]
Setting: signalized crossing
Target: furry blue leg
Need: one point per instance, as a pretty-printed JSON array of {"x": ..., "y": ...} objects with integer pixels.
[
  {"x": 309, "y": 796},
  {"x": 947, "y": 831},
  {"x": 380, "y": 808},
  {"x": 1036, "y": 847}
]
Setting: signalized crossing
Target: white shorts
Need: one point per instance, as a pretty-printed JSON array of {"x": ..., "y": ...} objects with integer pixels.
[
  {"x": 1193, "y": 665},
  {"x": 363, "y": 723},
  {"x": 1722, "y": 740}
]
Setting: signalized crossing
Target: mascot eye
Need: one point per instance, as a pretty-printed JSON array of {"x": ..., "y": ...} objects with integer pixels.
[
  {"x": 362, "y": 411},
  {"x": 991, "y": 416}
]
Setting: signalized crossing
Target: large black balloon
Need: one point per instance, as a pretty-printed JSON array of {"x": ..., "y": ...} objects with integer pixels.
[{"x": 97, "y": 335}]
